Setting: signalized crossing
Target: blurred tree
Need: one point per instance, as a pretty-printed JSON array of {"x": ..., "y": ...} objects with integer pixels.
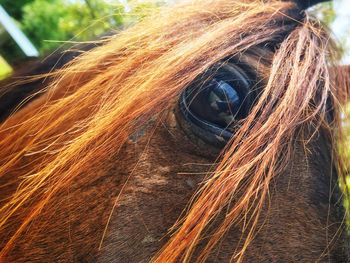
[
  {"x": 14, "y": 7},
  {"x": 47, "y": 22},
  {"x": 5, "y": 68},
  {"x": 138, "y": 10},
  {"x": 41, "y": 20},
  {"x": 328, "y": 14},
  {"x": 325, "y": 12}
]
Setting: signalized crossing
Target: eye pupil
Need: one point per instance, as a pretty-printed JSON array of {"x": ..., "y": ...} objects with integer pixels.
[
  {"x": 224, "y": 91},
  {"x": 217, "y": 103},
  {"x": 223, "y": 99},
  {"x": 214, "y": 105}
]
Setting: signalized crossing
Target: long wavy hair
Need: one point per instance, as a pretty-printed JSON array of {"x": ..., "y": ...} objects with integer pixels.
[{"x": 97, "y": 102}]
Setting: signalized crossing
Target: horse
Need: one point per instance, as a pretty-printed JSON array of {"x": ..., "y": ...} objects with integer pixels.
[{"x": 208, "y": 132}]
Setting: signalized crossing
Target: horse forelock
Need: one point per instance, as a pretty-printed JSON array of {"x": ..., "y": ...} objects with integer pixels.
[{"x": 95, "y": 105}]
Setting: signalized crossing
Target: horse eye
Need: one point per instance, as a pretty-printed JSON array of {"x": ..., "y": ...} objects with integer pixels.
[
  {"x": 218, "y": 103},
  {"x": 212, "y": 107}
]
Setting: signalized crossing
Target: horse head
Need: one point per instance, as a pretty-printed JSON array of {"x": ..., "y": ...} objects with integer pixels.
[{"x": 208, "y": 132}]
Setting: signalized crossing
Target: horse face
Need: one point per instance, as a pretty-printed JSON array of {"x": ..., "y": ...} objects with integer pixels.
[
  {"x": 122, "y": 208},
  {"x": 126, "y": 210},
  {"x": 153, "y": 178},
  {"x": 301, "y": 220}
]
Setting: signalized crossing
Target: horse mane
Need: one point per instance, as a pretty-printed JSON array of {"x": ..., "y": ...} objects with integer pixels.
[
  {"x": 31, "y": 77},
  {"x": 95, "y": 104}
]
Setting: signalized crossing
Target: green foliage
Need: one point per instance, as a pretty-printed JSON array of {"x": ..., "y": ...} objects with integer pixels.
[
  {"x": 347, "y": 143},
  {"x": 5, "y": 69},
  {"x": 345, "y": 148},
  {"x": 95, "y": 17},
  {"x": 141, "y": 9},
  {"x": 41, "y": 21},
  {"x": 326, "y": 13},
  {"x": 14, "y": 7},
  {"x": 48, "y": 22}
]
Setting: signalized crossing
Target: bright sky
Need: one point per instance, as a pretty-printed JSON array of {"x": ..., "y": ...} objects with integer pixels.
[{"x": 341, "y": 25}]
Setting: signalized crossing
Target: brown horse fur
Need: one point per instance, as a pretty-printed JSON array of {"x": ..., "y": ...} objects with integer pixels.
[{"x": 102, "y": 166}]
